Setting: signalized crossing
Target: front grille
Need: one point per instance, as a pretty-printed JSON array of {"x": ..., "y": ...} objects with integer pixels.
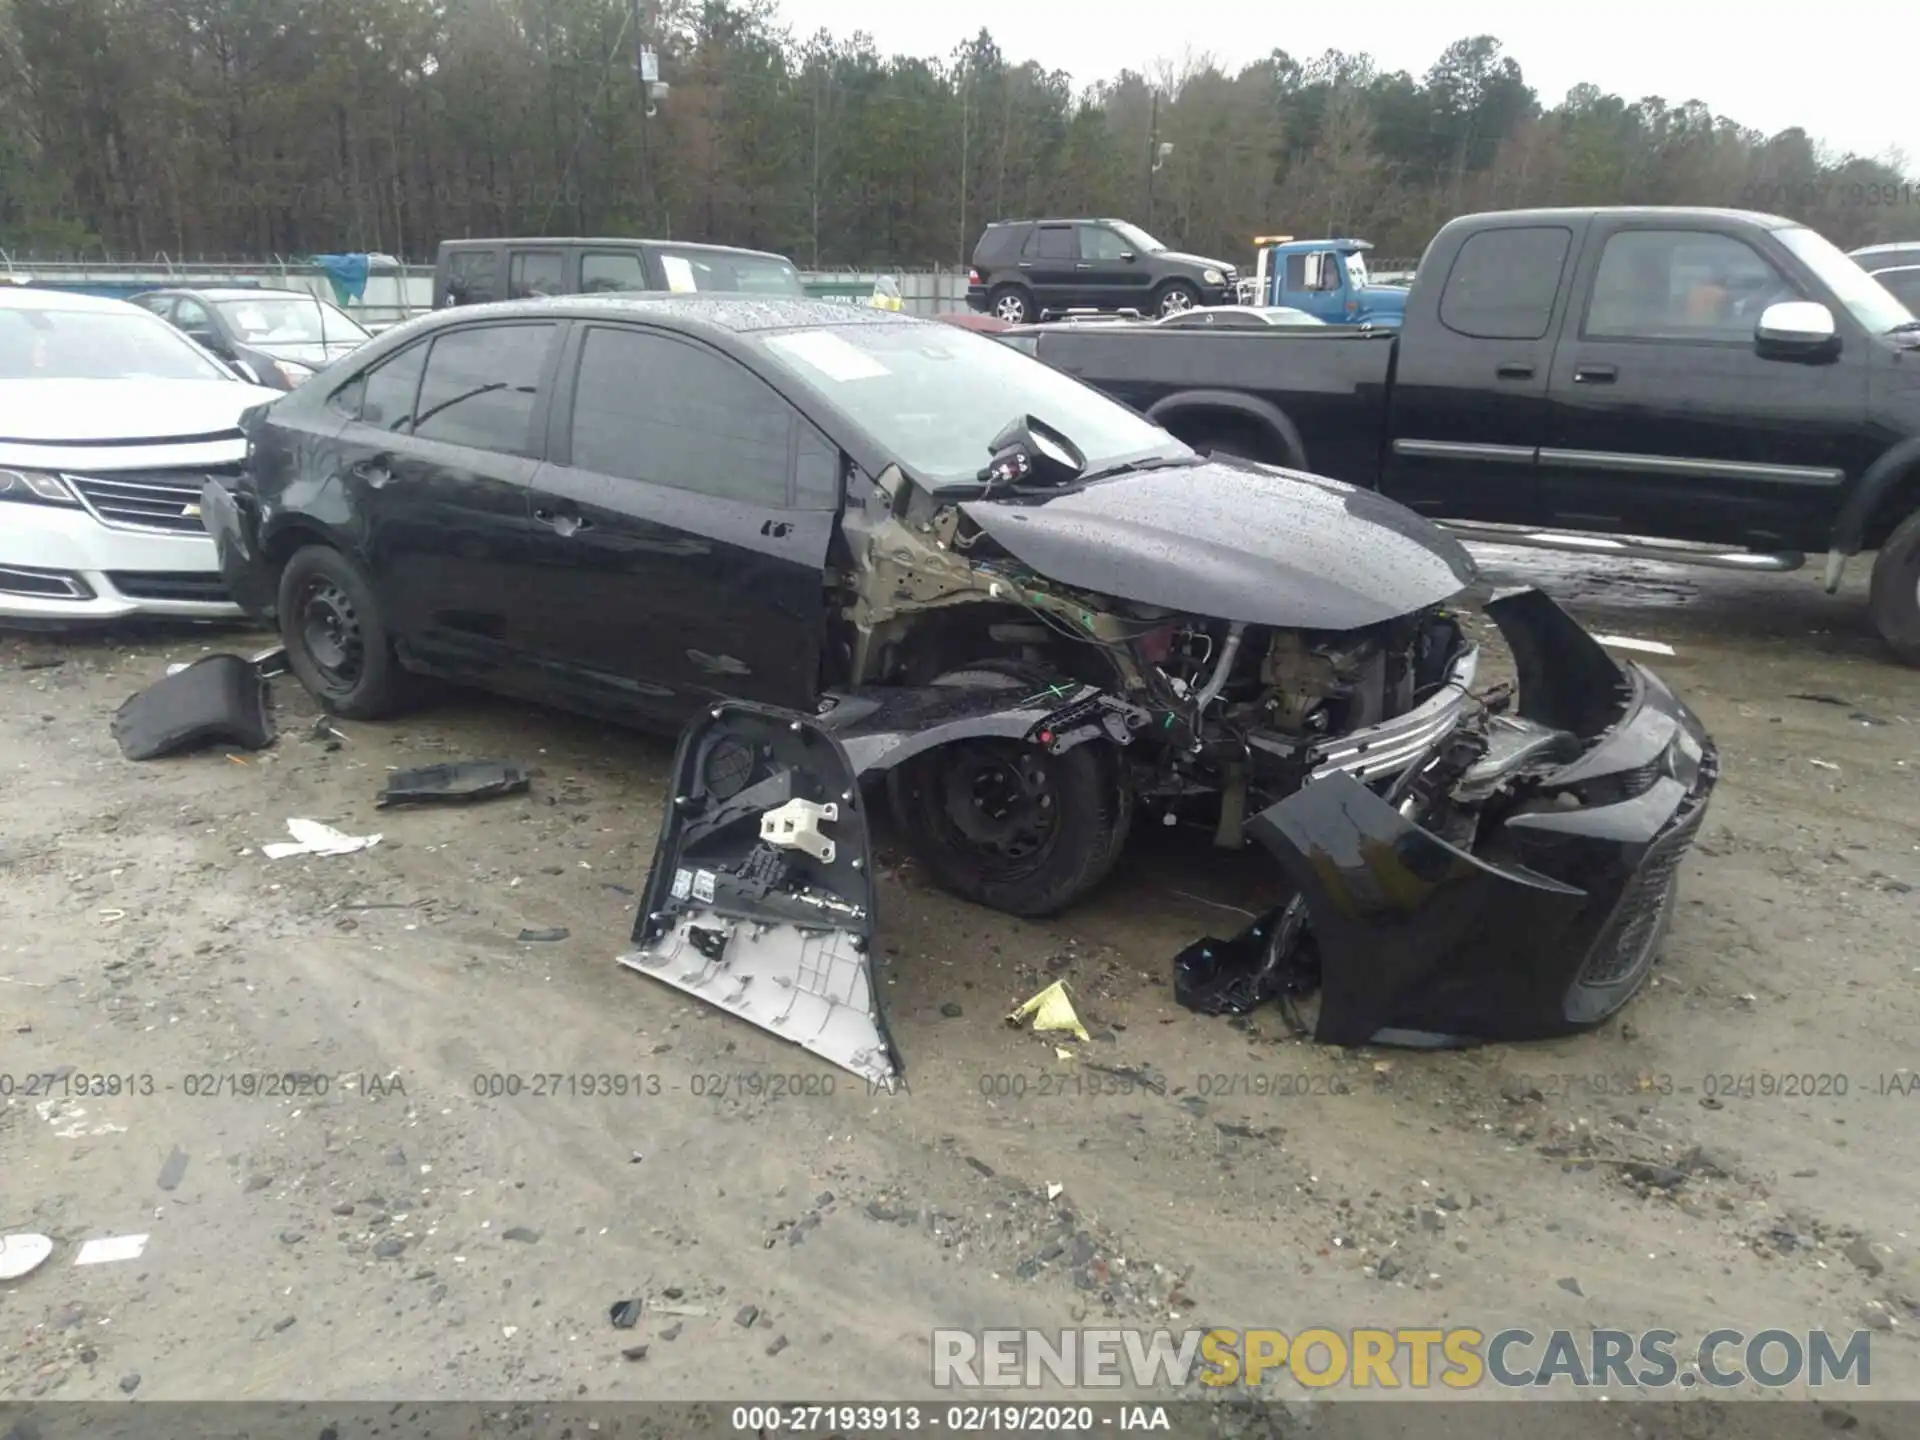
[
  {"x": 1625, "y": 947},
  {"x": 170, "y": 585},
  {"x": 165, "y": 500},
  {"x": 59, "y": 584}
]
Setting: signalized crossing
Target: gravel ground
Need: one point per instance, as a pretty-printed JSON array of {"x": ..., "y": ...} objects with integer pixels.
[{"x": 416, "y": 1232}]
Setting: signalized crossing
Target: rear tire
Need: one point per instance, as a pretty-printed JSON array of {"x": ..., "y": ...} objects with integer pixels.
[
  {"x": 1011, "y": 304},
  {"x": 1008, "y": 825},
  {"x": 1894, "y": 595},
  {"x": 336, "y": 636}
]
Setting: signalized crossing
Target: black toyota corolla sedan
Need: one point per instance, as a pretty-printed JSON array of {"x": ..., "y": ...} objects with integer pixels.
[{"x": 1034, "y": 611}]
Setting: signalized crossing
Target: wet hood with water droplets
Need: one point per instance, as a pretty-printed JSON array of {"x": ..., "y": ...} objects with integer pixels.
[{"x": 1233, "y": 540}]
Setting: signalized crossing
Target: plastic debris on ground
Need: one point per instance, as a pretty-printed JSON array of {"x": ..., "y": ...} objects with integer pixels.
[
  {"x": 221, "y": 699},
  {"x": 1051, "y": 1011},
  {"x": 22, "y": 1254},
  {"x": 310, "y": 837},
  {"x": 466, "y": 780},
  {"x": 112, "y": 1248}
]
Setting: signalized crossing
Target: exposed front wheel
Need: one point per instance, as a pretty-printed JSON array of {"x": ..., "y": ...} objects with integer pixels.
[
  {"x": 1010, "y": 825},
  {"x": 1175, "y": 297},
  {"x": 336, "y": 636},
  {"x": 1894, "y": 596}
]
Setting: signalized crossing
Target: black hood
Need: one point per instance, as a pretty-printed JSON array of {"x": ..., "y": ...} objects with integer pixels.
[{"x": 1235, "y": 540}]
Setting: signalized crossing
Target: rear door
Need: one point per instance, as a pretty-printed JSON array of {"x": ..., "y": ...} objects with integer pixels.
[
  {"x": 613, "y": 272},
  {"x": 1666, "y": 420},
  {"x": 1468, "y": 405},
  {"x": 438, "y": 463},
  {"x": 681, "y": 530},
  {"x": 1051, "y": 262}
]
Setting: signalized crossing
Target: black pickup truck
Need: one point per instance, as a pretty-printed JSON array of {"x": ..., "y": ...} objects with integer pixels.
[{"x": 1716, "y": 377}]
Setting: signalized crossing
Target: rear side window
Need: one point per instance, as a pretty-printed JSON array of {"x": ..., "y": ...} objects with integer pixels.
[
  {"x": 473, "y": 277},
  {"x": 384, "y": 396},
  {"x": 482, "y": 386},
  {"x": 667, "y": 412},
  {"x": 1503, "y": 283},
  {"x": 532, "y": 273},
  {"x": 1052, "y": 242},
  {"x": 606, "y": 271}
]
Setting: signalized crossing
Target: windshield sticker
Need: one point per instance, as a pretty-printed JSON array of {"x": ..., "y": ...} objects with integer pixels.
[
  {"x": 679, "y": 274},
  {"x": 827, "y": 353}
]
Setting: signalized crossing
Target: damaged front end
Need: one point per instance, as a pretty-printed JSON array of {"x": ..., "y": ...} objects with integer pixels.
[{"x": 1513, "y": 884}]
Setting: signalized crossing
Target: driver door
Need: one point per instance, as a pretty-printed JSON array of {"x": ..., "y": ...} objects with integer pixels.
[{"x": 1108, "y": 278}]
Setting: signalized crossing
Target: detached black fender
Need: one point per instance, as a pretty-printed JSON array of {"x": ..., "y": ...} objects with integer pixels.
[
  {"x": 232, "y": 518},
  {"x": 1873, "y": 487},
  {"x": 1167, "y": 411}
]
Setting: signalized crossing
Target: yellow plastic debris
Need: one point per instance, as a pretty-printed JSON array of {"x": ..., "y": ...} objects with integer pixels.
[{"x": 1051, "y": 1010}]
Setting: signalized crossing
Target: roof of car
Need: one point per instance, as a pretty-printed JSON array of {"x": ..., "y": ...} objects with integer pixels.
[
  {"x": 26, "y": 297},
  {"x": 732, "y": 313},
  {"x": 629, "y": 241},
  {"x": 1481, "y": 219},
  {"x": 1890, "y": 247},
  {"x": 230, "y": 292}
]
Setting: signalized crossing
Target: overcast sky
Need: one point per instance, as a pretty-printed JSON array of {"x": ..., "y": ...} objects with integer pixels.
[{"x": 1838, "y": 70}]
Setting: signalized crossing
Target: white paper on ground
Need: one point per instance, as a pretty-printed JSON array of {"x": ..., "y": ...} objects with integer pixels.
[
  {"x": 310, "y": 837},
  {"x": 22, "y": 1254},
  {"x": 826, "y": 352},
  {"x": 114, "y": 1247}
]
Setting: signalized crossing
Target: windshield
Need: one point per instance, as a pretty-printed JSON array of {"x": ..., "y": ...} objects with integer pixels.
[
  {"x": 935, "y": 396},
  {"x": 690, "y": 271},
  {"x": 289, "y": 321},
  {"x": 1136, "y": 237},
  {"x": 98, "y": 345},
  {"x": 1866, "y": 298}
]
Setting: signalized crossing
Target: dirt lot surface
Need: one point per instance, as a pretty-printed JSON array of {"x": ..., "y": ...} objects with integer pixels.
[{"x": 1735, "y": 1150}]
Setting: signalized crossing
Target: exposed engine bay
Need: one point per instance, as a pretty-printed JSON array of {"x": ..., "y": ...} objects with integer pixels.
[{"x": 1457, "y": 866}]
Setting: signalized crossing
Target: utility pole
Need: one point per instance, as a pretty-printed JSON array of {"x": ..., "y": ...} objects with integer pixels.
[
  {"x": 1153, "y": 154},
  {"x": 966, "y": 82},
  {"x": 646, "y": 72}
]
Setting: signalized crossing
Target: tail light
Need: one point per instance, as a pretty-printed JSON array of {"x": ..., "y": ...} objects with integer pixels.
[{"x": 973, "y": 277}]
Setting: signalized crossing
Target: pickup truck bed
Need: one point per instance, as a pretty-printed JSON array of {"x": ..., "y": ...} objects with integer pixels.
[{"x": 1587, "y": 370}]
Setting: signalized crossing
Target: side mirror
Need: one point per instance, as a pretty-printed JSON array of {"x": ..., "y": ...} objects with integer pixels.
[
  {"x": 1796, "y": 329},
  {"x": 1030, "y": 450}
]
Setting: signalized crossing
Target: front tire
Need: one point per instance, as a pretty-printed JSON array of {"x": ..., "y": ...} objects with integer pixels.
[
  {"x": 336, "y": 636},
  {"x": 1009, "y": 825},
  {"x": 1174, "y": 297},
  {"x": 1894, "y": 595}
]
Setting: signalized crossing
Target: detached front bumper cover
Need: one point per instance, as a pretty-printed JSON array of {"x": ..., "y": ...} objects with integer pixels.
[{"x": 1547, "y": 926}]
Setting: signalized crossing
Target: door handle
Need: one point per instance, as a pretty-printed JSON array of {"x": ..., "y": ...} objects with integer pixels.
[
  {"x": 1517, "y": 370},
  {"x": 1083, "y": 265},
  {"x": 373, "y": 472},
  {"x": 565, "y": 522},
  {"x": 1595, "y": 375},
  {"x": 1026, "y": 264}
]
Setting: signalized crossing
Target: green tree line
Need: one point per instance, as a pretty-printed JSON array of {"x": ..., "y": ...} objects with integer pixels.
[{"x": 249, "y": 128}]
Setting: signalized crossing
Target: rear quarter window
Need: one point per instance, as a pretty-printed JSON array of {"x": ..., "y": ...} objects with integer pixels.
[{"x": 1503, "y": 283}]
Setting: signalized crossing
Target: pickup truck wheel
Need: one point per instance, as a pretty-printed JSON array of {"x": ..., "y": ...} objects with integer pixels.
[
  {"x": 336, "y": 637},
  {"x": 1894, "y": 596},
  {"x": 1175, "y": 296},
  {"x": 1011, "y": 304},
  {"x": 1008, "y": 825}
]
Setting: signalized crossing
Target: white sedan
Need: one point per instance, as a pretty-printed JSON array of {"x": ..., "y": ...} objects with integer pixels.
[{"x": 111, "y": 421}]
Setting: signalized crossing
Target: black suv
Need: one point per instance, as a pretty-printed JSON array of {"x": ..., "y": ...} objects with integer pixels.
[{"x": 1025, "y": 269}]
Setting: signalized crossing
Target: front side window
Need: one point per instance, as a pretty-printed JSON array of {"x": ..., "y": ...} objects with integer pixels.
[
  {"x": 482, "y": 386},
  {"x": 1682, "y": 285},
  {"x": 1097, "y": 242},
  {"x": 473, "y": 277},
  {"x": 652, "y": 408},
  {"x": 125, "y": 343},
  {"x": 1504, "y": 282}
]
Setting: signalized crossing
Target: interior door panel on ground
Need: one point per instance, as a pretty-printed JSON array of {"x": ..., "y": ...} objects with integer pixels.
[
  {"x": 1761, "y": 447},
  {"x": 676, "y": 562},
  {"x": 441, "y": 456},
  {"x": 1469, "y": 401}
]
